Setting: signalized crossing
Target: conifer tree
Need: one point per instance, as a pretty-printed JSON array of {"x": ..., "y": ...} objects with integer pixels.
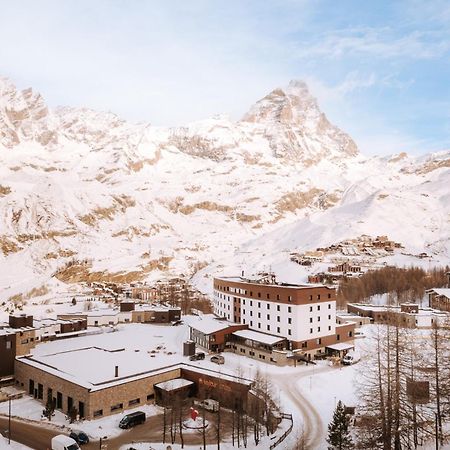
[{"x": 338, "y": 433}]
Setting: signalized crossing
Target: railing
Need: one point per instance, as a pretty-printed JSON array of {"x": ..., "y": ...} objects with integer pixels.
[{"x": 286, "y": 433}]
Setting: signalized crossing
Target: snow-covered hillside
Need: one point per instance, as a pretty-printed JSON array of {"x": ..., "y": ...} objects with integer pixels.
[{"x": 86, "y": 195}]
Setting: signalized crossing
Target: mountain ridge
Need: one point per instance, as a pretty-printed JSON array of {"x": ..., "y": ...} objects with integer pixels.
[{"x": 85, "y": 192}]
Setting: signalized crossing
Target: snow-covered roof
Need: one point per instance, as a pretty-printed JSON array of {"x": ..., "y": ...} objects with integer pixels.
[
  {"x": 258, "y": 337},
  {"x": 175, "y": 384},
  {"x": 441, "y": 291},
  {"x": 209, "y": 325},
  {"x": 340, "y": 346},
  {"x": 277, "y": 284}
]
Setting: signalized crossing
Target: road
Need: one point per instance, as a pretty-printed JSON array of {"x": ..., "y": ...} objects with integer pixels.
[
  {"x": 38, "y": 437},
  {"x": 313, "y": 428}
]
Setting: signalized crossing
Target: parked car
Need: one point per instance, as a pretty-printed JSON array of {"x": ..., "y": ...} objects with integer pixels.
[
  {"x": 63, "y": 442},
  {"x": 209, "y": 404},
  {"x": 359, "y": 334},
  {"x": 351, "y": 358},
  {"x": 218, "y": 359},
  {"x": 197, "y": 357},
  {"x": 80, "y": 437},
  {"x": 133, "y": 419}
]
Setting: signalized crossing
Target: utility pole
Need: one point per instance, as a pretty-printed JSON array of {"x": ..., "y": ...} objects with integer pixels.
[{"x": 9, "y": 420}]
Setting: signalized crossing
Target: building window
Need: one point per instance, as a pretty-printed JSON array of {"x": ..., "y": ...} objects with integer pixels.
[
  {"x": 150, "y": 396},
  {"x": 8, "y": 345},
  {"x": 304, "y": 344},
  {"x": 318, "y": 296},
  {"x": 310, "y": 331},
  {"x": 116, "y": 407},
  {"x": 278, "y": 296},
  {"x": 329, "y": 327},
  {"x": 259, "y": 304},
  {"x": 310, "y": 297},
  {"x": 251, "y": 313},
  {"x": 289, "y": 298},
  {"x": 278, "y": 329},
  {"x": 318, "y": 318},
  {"x": 329, "y": 316},
  {"x": 268, "y": 327},
  {"x": 251, "y": 323},
  {"x": 251, "y": 294},
  {"x": 350, "y": 334},
  {"x": 259, "y": 315},
  {"x": 98, "y": 413},
  {"x": 268, "y": 316},
  {"x": 289, "y": 332},
  {"x": 259, "y": 325},
  {"x": 135, "y": 401},
  {"x": 243, "y": 301},
  {"x": 318, "y": 307},
  {"x": 289, "y": 309},
  {"x": 278, "y": 319},
  {"x": 318, "y": 329},
  {"x": 338, "y": 337},
  {"x": 329, "y": 305},
  {"x": 251, "y": 302},
  {"x": 278, "y": 308},
  {"x": 289, "y": 320},
  {"x": 268, "y": 305},
  {"x": 259, "y": 294},
  {"x": 310, "y": 309},
  {"x": 268, "y": 296},
  {"x": 329, "y": 295},
  {"x": 310, "y": 320},
  {"x": 319, "y": 341}
]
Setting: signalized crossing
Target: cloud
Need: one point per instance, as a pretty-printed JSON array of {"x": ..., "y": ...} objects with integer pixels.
[{"x": 379, "y": 42}]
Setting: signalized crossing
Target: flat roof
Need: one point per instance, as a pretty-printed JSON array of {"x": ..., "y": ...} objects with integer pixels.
[
  {"x": 94, "y": 368},
  {"x": 209, "y": 325},
  {"x": 256, "y": 336},
  {"x": 340, "y": 346},
  {"x": 173, "y": 385},
  {"x": 283, "y": 285}
]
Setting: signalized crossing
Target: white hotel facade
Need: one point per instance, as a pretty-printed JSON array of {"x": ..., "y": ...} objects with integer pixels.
[{"x": 303, "y": 314}]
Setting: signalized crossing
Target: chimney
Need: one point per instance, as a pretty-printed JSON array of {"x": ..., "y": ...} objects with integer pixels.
[{"x": 116, "y": 371}]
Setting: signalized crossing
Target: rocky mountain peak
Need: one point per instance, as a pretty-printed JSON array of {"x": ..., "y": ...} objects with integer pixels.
[
  {"x": 296, "y": 126},
  {"x": 24, "y": 116}
]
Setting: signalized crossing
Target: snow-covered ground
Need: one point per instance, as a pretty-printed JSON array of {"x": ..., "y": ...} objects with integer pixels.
[{"x": 12, "y": 445}]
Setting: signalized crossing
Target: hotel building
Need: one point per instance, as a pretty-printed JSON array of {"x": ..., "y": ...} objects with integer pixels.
[{"x": 303, "y": 314}]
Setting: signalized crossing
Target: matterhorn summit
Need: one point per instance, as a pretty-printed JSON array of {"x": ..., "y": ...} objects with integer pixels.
[{"x": 296, "y": 128}]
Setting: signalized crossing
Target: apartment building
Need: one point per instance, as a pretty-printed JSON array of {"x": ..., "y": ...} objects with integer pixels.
[{"x": 303, "y": 314}]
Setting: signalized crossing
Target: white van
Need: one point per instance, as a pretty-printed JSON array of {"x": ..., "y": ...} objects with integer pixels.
[
  {"x": 350, "y": 358},
  {"x": 62, "y": 442}
]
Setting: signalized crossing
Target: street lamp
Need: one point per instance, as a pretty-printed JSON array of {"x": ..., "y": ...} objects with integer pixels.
[{"x": 101, "y": 441}]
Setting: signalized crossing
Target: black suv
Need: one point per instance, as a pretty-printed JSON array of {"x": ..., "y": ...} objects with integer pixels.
[
  {"x": 197, "y": 357},
  {"x": 80, "y": 437},
  {"x": 130, "y": 420}
]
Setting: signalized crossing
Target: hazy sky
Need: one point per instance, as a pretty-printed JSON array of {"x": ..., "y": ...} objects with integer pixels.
[{"x": 380, "y": 69}]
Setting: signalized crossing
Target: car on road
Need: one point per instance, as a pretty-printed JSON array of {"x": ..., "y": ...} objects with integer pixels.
[
  {"x": 132, "y": 419},
  {"x": 209, "y": 404},
  {"x": 351, "y": 358},
  {"x": 80, "y": 437},
  {"x": 63, "y": 442},
  {"x": 197, "y": 357},
  {"x": 218, "y": 359}
]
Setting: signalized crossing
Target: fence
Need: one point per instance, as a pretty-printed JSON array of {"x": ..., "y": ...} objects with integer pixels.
[{"x": 286, "y": 433}]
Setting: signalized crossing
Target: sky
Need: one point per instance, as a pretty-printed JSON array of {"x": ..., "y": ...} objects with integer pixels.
[{"x": 380, "y": 70}]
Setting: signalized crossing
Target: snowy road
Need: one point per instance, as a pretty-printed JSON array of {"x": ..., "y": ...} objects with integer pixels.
[{"x": 312, "y": 426}]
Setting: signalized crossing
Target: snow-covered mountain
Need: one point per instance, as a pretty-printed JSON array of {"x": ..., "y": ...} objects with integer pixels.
[{"x": 87, "y": 195}]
